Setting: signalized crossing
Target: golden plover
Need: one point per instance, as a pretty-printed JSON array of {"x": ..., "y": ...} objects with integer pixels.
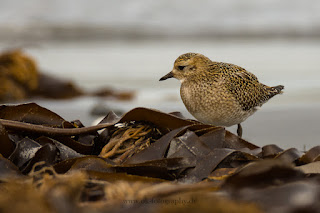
[{"x": 217, "y": 93}]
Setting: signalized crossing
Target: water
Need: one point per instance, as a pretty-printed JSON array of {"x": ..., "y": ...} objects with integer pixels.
[
  {"x": 166, "y": 17},
  {"x": 289, "y": 120}
]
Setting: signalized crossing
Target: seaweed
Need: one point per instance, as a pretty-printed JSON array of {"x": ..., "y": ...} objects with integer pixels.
[
  {"x": 21, "y": 79},
  {"x": 146, "y": 160}
]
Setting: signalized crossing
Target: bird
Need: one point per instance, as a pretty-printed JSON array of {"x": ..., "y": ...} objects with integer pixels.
[{"x": 218, "y": 93}]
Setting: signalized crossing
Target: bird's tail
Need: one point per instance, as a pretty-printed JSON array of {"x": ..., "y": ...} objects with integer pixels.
[{"x": 275, "y": 90}]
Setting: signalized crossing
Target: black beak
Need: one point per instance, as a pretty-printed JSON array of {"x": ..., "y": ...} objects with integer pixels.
[{"x": 169, "y": 75}]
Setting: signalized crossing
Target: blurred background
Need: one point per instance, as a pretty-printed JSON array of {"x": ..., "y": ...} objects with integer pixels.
[{"x": 128, "y": 45}]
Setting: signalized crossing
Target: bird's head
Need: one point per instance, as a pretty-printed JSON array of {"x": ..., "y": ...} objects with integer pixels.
[{"x": 187, "y": 65}]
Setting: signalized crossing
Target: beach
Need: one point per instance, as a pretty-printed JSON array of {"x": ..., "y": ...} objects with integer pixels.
[{"x": 289, "y": 120}]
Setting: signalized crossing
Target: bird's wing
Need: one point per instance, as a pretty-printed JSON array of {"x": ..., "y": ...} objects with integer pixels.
[{"x": 244, "y": 86}]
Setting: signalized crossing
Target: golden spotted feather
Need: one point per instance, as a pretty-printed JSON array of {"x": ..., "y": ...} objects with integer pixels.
[{"x": 243, "y": 85}]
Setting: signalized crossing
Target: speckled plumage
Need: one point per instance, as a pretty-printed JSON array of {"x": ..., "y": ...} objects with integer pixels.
[{"x": 219, "y": 93}]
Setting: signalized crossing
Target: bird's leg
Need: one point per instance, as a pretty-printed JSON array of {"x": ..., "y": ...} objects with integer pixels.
[{"x": 239, "y": 130}]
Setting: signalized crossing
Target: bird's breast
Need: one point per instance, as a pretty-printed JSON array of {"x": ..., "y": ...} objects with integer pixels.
[{"x": 212, "y": 103}]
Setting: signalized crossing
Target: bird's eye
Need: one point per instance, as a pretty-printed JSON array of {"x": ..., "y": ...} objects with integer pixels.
[{"x": 181, "y": 67}]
